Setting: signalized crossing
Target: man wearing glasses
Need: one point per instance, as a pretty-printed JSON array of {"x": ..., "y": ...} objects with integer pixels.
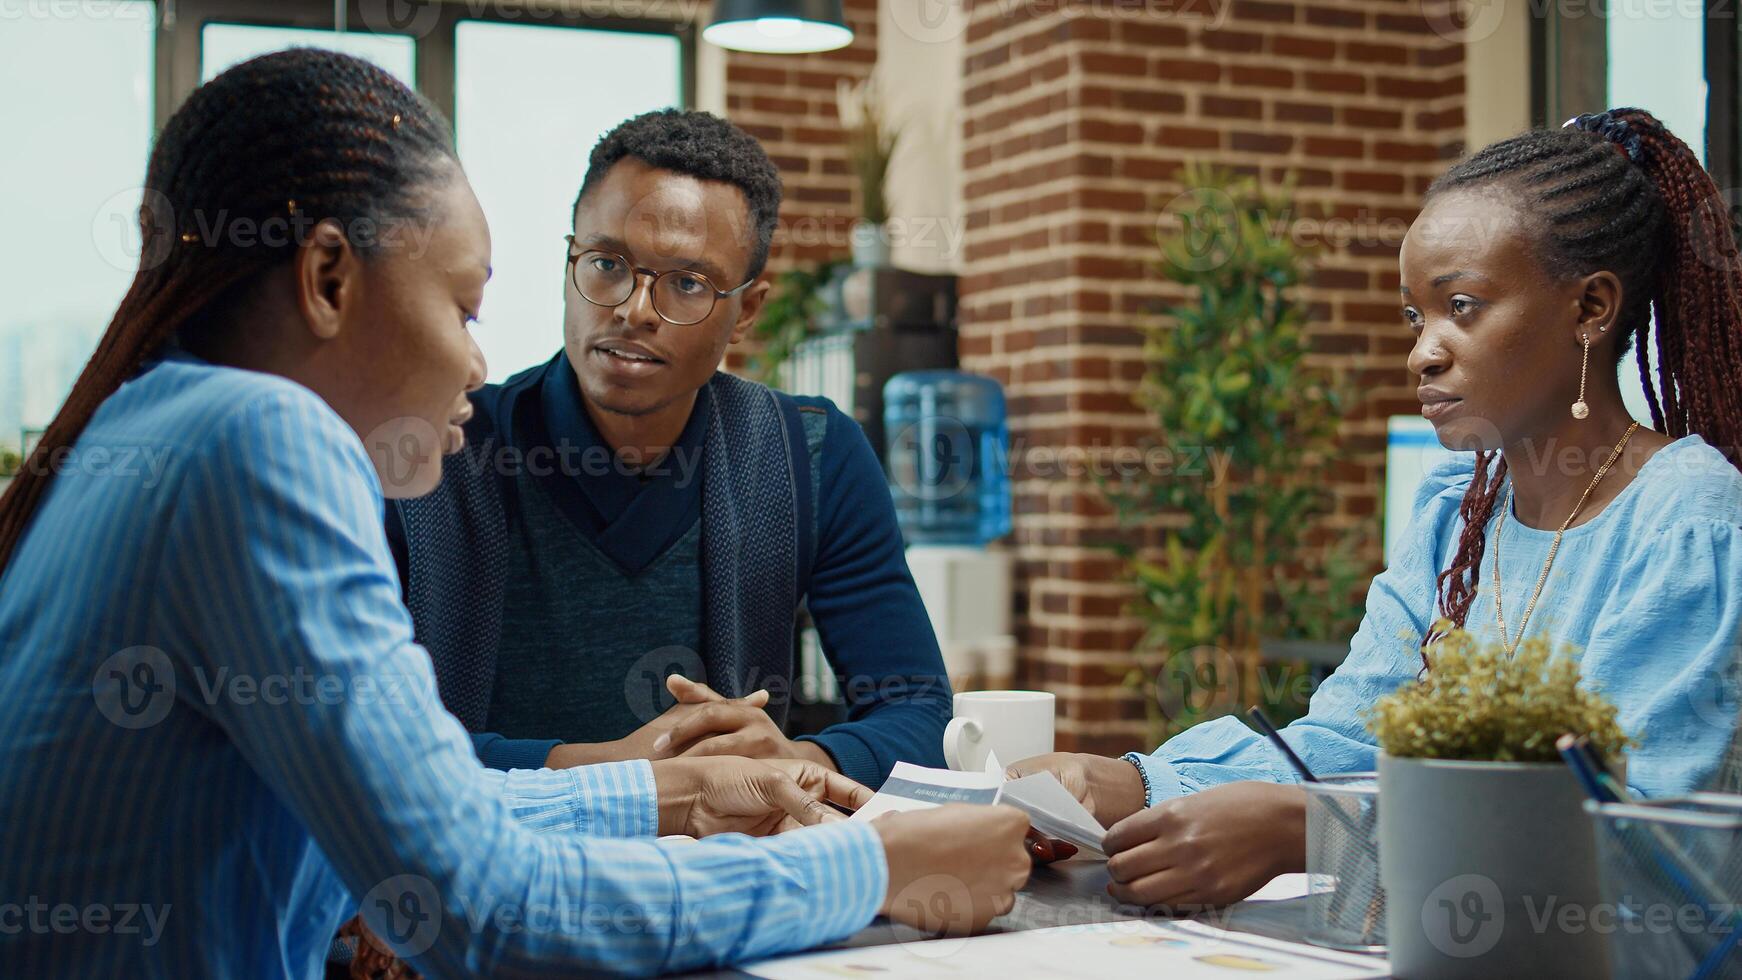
[{"x": 612, "y": 568}]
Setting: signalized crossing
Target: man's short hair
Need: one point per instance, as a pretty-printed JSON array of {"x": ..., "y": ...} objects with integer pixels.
[{"x": 706, "y": 147}]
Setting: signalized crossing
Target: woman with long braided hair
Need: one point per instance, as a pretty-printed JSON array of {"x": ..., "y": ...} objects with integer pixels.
[
  {"x": 220, "y": 739},
  {"x": 1535, "y": 264}
]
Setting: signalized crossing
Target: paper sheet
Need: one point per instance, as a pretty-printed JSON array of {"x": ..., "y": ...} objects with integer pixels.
[
  {"x": 1051, "y": 808},
  {"x": 1132, "y": 948},
  {"x": 911, "y": 787},
  {"x": 1281, "y": 887},
  {"x": 1053, "y": 811}
]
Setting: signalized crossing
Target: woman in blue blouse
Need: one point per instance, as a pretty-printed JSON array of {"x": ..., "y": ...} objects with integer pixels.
[
  {"x": 1533, "y": 266},
  {"x": 220, "y": 738}
]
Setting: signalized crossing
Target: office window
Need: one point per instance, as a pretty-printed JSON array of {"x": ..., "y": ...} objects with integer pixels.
[
  {"x": 529, "y": 100},
  {"x": 529, "y": 103},
  {"x": 223, "y": 45},
  {"x": 71, "y": 191},
  {"x": 1656, "y": 62}
]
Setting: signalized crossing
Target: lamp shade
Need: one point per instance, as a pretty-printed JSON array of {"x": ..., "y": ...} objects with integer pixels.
[{"x": 778, "y": 26}]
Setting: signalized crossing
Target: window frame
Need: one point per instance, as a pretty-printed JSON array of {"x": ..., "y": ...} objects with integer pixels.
[{"x": 181, "y": 23}]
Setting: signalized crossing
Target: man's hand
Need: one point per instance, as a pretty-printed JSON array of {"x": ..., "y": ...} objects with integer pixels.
[
  {"x": 725, "y": 795},
  {"x": 954, "y": 868},
  {"x": 702, "y": 722},
  {"x": 1111, "y": 789},
  {"x": 717, "y": 725},
  {"x": 1210, "y": 848}
]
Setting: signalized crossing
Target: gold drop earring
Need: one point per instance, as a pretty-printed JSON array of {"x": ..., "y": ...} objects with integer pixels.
[{"x": 1582, "y": 411}]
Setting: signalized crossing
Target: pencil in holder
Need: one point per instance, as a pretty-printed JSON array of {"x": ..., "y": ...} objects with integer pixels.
[
  {"x": 1345, "y": 900},
  {"x": 1671, "y": 873}
]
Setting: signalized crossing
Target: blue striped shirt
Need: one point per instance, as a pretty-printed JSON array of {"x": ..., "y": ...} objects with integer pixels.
[{"x": 221, "y": 740}]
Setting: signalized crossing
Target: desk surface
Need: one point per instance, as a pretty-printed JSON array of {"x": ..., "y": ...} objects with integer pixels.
[{"x": 1074, "y": 893}]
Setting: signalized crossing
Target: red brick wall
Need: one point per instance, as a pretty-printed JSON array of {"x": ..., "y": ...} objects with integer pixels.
[{"x": 1077, "y": 118}]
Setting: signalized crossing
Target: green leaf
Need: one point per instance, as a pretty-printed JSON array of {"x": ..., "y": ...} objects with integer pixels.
[{"x": 1234, "y": 384}]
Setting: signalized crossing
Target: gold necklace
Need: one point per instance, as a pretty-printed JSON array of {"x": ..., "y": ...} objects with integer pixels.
[{"x": 1511, "y": 646}]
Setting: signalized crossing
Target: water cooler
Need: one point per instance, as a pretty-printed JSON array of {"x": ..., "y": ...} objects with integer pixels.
[{"x": 947, "y": 452}]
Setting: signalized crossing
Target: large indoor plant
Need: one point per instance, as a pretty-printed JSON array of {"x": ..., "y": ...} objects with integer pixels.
[
  {"x": 1483, "y": 842},
  {"x": 1246, "y": 426}
]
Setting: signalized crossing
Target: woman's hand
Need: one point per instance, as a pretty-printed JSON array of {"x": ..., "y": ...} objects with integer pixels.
[
  {"x": 723, "y": 795},
  {"x": 953, "y": 868},
  {"x": 1208, "y": 849},
  {"x": 1111, "y": 789}
]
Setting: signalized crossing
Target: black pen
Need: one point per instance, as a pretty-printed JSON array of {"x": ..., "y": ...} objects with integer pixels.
[
  {"x": 1260, "y": 719},
  {"x": 1363, "y": 833}
]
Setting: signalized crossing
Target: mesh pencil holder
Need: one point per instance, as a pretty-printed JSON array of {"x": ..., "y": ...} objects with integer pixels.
[
  {"x": 1671, "y": 873},
  {"x": 1345, "y": 901}
]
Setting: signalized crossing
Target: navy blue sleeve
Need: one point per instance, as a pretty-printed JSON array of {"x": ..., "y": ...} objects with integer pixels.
[
  {"x": 505, "y": 754},
  {"x": 873, "y": 626}
]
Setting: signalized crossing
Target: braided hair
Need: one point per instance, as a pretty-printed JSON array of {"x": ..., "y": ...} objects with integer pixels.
[
  {"x": 1617, "y": 191},
  {"x": 270, "y": 147}
]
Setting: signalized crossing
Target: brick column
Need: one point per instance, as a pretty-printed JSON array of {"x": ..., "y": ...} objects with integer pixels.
[{"x": 1077, "y": 118}]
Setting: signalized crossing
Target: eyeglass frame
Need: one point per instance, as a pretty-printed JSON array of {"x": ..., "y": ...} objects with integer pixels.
[{"x": 636, "y": 272}]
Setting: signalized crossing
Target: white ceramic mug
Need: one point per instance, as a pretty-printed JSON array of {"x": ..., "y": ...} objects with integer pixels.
[{"x": 1014, "y": 724}]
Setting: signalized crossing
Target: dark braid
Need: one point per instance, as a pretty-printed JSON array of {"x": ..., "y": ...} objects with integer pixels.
[
  {"x": 237, "y": 180},
  {"x": 1617, "y": 191},
  {"x": 1457, "y": 584}
]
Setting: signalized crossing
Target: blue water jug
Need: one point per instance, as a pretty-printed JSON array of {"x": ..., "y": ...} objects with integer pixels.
[{"x": 948, "y": 454}]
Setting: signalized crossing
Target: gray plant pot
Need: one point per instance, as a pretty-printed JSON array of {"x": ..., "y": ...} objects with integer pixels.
[
  {"x": 1490, "y": 870},
  {"x": 870, "y": 244}
]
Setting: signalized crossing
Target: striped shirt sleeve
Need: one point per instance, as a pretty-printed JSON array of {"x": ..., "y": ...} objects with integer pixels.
[{"x": 614, "y": 799}]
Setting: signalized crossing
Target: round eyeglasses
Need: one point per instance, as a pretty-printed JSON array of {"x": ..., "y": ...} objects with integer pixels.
[{"x": 680, "y": 296}]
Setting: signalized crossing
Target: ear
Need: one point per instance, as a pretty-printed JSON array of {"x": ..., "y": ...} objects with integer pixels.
[
  {"x": 749, "y": 307},
  {"x": 327, "y": 271},
  {"x": 1599, "y": 308}
]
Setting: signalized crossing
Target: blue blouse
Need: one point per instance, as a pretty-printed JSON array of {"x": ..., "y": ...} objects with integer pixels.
[{"x": 1649, "y": 591}]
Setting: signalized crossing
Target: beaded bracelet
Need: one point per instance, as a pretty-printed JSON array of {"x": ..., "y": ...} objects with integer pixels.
[{"x": 1142, "y": 774}]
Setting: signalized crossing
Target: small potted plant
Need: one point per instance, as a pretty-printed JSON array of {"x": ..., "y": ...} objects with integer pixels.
[
  {"x": 788, "y": 318},
  {"x": 1487, "y": 857},
  {"x": 870, "y": 145},
  {"x": 9, "y": 464}
]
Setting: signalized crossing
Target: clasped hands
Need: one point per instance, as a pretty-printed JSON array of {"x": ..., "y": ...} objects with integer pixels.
[{"x": 703, "y": 722}]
